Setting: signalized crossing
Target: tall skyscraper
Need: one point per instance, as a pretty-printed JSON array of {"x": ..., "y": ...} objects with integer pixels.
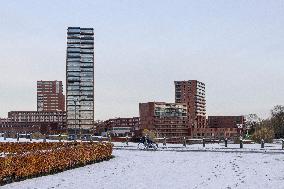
[
  {"x": 192, "y": 93},
  {"x": 50, "y": 96},
  {"x": 80, "y": 78}
]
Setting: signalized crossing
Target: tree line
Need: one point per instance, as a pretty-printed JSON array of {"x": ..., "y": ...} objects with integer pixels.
[{"x": 267, "y": 129}]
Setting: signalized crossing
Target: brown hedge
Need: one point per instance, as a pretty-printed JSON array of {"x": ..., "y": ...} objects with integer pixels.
[
  {"x": 23, "y": 147},
  {"x": 39, "y": 159}
]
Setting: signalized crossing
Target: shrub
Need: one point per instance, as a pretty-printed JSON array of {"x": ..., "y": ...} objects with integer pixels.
[
  {"x": 150, "y": 134},
  {"x": 265, "y": 133},
  {"x": 28, "y": 160}
]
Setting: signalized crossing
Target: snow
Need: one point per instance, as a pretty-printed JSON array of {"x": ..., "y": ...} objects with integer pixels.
[
  {"x": 249, "y": 148},
  {"x": 20, "y": 140},
  {"x": 170, "y": 169},
  {"x": 26, "y": 140},
  {"x": 269, "y": 147}
]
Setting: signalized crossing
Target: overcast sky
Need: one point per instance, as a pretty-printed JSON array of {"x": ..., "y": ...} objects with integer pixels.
[{"x": 141, "y": 47}]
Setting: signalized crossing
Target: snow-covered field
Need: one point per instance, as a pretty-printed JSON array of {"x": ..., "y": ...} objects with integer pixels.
[
  {"x": 174, "y": 167},
  {"x": 247, "y": 148},
  {"x": 170, "y": 169}
]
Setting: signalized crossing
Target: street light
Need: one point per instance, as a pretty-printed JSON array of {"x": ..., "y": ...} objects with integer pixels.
[
  {"x": 240, "y": 127},
  {"x": 75, "y": 102}
]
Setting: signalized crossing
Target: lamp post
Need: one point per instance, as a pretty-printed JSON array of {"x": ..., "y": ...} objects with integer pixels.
[
  {"x": 240, "y": 127},
  {"x": 80, "y": 130},
  {"x": 75, "y": 102}
]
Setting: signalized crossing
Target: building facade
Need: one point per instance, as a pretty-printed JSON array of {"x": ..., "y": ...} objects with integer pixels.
[
  {"x": 215, "y": 133},
  {"x": 192, "y": 93},
  {"x": 220, "y": 127},
  {"x": 34, "y": 121},
  {"x": 50, "y": 96},
  {"x": 80, "y": 78},
  {"x": 164, "y": 119},
  {"x": 225, "y": 121},
  {"x": 120, "y": 126}
]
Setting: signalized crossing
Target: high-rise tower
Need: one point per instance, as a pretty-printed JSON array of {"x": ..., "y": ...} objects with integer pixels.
[
  {"x": 50, "y": 96},
  {"x": 80, "y": 78},
  {"x": 192, "y": 93}
]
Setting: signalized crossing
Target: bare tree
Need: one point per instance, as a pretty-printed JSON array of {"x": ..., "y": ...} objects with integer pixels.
[{"x": 252, "y": 122}]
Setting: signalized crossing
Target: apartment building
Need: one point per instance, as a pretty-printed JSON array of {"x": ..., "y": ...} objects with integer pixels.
[
  {"x": 80, "y": 78},
  {"x": 192, "y": 93},
  {"x": 226, "y": 121},
  {"x": 50, "y": 96},
  {"x": 120, "y": 126},
  {"x": 164, "y": 119},
  {"x": 34, "y": 121}
]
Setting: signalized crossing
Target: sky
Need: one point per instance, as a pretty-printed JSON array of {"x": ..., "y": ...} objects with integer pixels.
[{"x": 141, "y": 47}]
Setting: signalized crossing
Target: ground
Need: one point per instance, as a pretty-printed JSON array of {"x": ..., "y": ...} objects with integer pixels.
[{"x": 171, "y": 169}]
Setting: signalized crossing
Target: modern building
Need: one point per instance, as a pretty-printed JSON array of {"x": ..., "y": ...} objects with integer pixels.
[
  {"x": 120, "y": 126},
  {"x": 51, "y": 122},
  {"x": 164, "y": 119},
  {"x": 192, "y": 93},
  {"x": 215, "y": 133},
  {"x": 80, "y": 78},
  {"x": 220, "y": 127},
  {"x": 50, "y": 96},
  {"x": 226, "y": 121}
]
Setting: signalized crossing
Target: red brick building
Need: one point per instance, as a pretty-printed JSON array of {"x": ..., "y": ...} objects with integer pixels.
[
  {"x": 50, "y": 96},
  {"x": 215, "y": 133},
  {"x": 192, "y": 93},
  {"x": 34, "y": 121},
  {"x": 225, "y": 121},
  {"x": 119, "y": 126},
  {"x": 165, "y": 119},
  {"x": 220, "y": 127}
]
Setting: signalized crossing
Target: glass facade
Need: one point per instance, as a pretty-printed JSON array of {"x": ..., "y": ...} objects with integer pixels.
[
  {"x": 80, "y": 77},
  {"x": 170, "y": 110}
]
